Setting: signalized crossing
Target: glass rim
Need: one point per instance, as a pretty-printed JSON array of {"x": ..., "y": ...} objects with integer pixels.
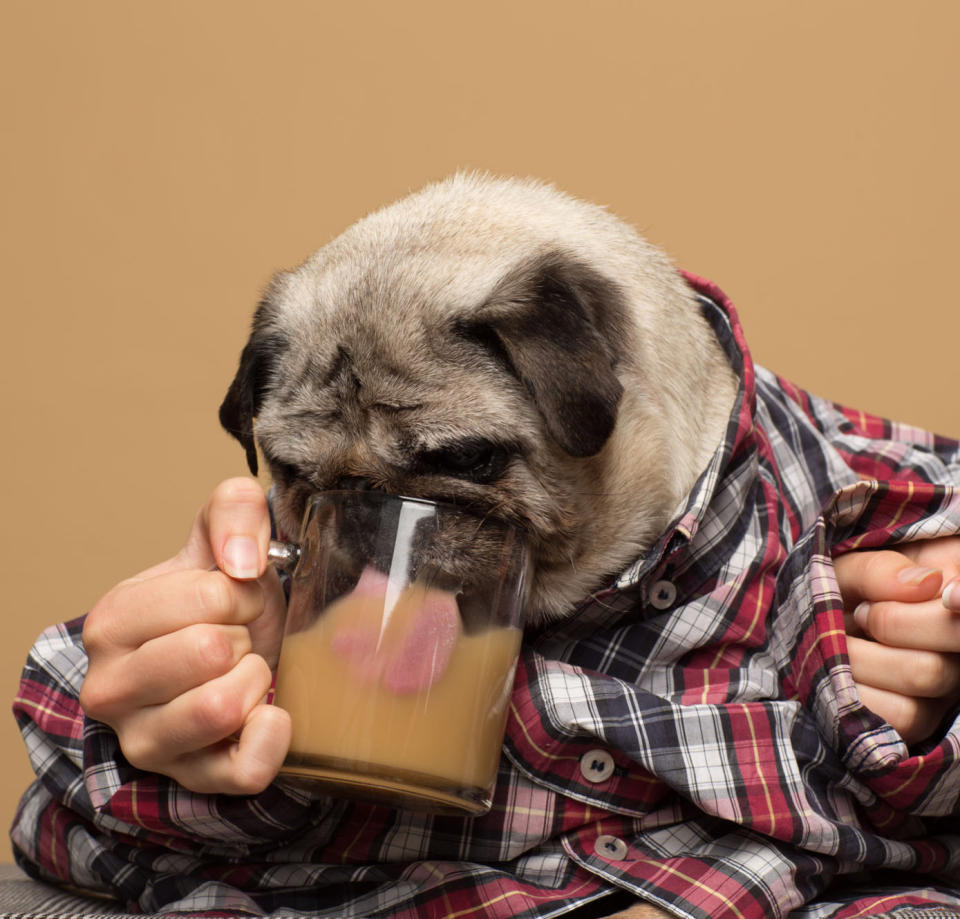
[{"x": 286, "y": 553}]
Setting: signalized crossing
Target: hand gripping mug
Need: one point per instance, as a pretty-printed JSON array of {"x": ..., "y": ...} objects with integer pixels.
[{"x": 403, "y": 630}]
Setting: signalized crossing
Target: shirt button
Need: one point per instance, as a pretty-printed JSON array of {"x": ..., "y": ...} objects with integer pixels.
[
  {"x": 610, "y": 847},
  {"x": 596, "y": 765},
  {"x": 663, "y": 594}
]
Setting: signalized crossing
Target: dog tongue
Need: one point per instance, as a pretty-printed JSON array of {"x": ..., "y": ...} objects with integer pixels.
[
  {"x": 372, "y": 583},
  {"x": 425, "y": 649},
  {"x": 414, "y": 648}
]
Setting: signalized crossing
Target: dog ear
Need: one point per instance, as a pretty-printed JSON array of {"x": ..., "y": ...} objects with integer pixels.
[
  {"x": 558, "y": 324},
  {"x": 245, "y": 395}
]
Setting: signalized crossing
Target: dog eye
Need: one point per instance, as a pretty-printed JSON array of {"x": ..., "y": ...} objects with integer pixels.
[{"x": 478, "y": 461}]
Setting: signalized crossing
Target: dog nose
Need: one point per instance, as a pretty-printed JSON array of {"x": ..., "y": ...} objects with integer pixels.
[{"x": 355, "y": 483}]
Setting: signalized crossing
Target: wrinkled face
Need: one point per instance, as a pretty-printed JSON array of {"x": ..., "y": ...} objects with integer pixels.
[
  {"x": 423, "y": 411},
  {"x": 497, "y": 409},
  {"x": 479, "y": 375}
]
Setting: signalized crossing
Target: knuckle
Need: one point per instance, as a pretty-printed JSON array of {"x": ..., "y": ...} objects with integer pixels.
[
  {"x": 185, "y": 555},
  {"x": 239, "y": 490},
  {"x": 914, "y": 719},
  {"x": 251, "y": 776},
  {"x": 218, "y": 712},
  {"x": 96, "y": 700},
  {"x": 916, "y": 724},
  {"x": 875, "y": 562},
  {"x": 882, "y": 623},
  {"x": 94, "y": 634},
  {"x": 100, "y": 625},
  {"x": 927, "y": 673},
  {"x": 846, "y": 569},
  {"x": 214, "y": 594},
  {"x": 260, "y": 676},
  {"x": 213, "y": 649},
  {"x": 141, "y": 750},
  {"x": 857, "y": 570},
  {"x": 903, "y": 715}
]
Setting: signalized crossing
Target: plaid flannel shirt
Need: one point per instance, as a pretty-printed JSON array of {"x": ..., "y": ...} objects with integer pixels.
[{"x": 691, "y": 734}]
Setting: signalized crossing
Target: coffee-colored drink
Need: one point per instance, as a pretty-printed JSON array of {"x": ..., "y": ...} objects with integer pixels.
[{"x": 389, "y": 695}]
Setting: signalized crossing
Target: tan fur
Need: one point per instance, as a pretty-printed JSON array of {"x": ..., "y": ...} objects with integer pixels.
[
  {"x": 387, "y": 293},
  {"x": 641, "y": 911}
]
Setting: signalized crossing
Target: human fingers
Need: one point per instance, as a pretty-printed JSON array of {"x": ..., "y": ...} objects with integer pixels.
[
  {"x": 928, "y": 625},
  {"x": 942, "y": 552},
  {"x": 231, "y": 531},
  {"x": 244, "y": 766},
  {"x": 922, "y": 674},
  {"x": 155, "y": 737},
  {"x": 951, "y": 596},
  {"x": 884, "y": 574},
  {"x": 913, "y": 719},
  {"x": 235, "y": 526},
  {"x": 163, "y": 668},
  {"x": 138, "y": 610}
]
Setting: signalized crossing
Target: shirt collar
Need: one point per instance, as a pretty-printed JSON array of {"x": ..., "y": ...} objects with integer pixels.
[{"x": 720, "y": 312}]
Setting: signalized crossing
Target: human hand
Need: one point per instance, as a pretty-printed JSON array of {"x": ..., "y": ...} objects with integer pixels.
[
  {"x": 180, "y": 655},
  {"x": 903, "y": 631}
]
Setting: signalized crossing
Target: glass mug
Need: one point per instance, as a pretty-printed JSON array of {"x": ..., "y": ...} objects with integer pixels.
[{"x": 403, "y": 629}]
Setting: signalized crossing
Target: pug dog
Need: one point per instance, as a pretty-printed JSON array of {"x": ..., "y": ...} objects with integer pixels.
[
  {"x": 497, "y": 344},
  {"x": 500, "y": 345}
]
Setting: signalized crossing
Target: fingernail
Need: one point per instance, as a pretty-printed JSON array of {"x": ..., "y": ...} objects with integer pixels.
[
  {"x": 860, "y": 615},
  {"x": 241, "y": 557},
  {"x": 951, "y": 595},
  {"x": 915, "y": 576}
]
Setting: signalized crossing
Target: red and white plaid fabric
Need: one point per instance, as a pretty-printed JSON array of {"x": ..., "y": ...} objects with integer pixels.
[{"x": 691, "y": 734}]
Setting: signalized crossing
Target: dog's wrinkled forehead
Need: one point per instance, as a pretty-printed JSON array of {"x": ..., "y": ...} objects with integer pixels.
[
  {"x": 375, "y": 330},
  {"x": 384, "y": 308}
]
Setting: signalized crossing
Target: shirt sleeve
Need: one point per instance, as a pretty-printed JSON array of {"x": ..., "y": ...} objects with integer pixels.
[
  {"x": 904, "y": 487},
  {"x": 88, "y": 806},
  {"x": 874, "y": 447},
  {"x": 908, "y": 489}
]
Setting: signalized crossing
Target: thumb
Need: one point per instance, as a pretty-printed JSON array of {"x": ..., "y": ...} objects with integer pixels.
[{"x": 230, "y": 532}]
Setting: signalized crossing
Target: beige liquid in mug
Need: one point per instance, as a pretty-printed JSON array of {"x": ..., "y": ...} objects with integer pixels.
[{"x": 391, "y": 700}]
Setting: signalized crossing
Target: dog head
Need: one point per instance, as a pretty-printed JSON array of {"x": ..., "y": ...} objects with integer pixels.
[{"x": 499, "y": 345}]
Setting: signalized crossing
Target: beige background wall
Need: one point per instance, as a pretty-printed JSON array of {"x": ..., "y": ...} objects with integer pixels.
[{"x": 159, "y": 159}]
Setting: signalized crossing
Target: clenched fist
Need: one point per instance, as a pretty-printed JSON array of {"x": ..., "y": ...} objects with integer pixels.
[{"x": 180, "y": 655}]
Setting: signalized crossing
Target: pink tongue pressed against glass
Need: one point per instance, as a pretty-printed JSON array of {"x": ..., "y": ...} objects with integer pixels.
[
  {"x": 426, "y": 648},
  {"x": 405, "y": 649}
]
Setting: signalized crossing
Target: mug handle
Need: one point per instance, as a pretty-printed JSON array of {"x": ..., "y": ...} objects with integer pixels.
[{"x": 283, "y": 555}]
